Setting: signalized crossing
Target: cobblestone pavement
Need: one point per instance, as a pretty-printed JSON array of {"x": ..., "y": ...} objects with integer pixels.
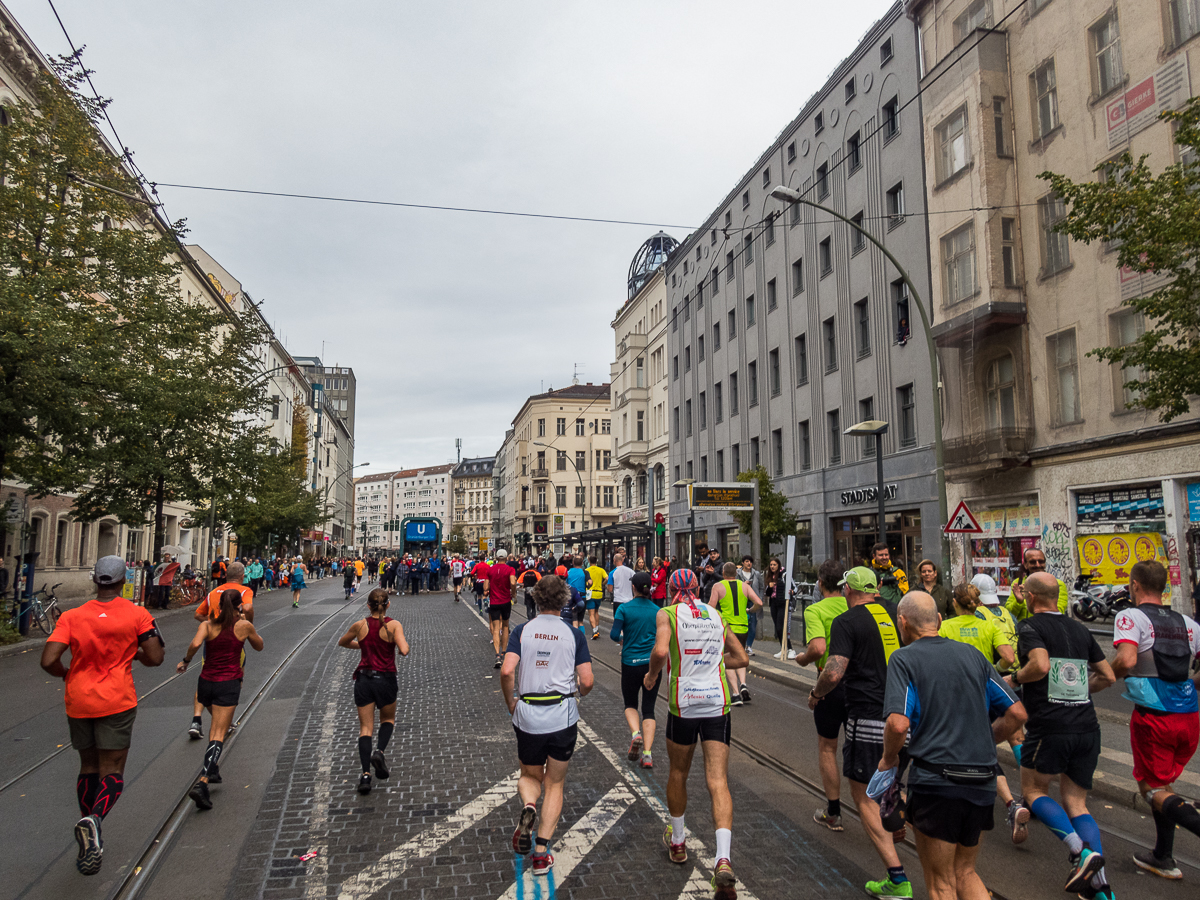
[{"x": 441, "y": 826}]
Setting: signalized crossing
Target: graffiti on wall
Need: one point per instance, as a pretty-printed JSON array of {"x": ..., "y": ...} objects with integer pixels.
[{"x": 1056, "y": 545}]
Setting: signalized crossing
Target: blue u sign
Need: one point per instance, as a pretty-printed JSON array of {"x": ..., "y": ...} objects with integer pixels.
[{"x": 420, "y": 531}]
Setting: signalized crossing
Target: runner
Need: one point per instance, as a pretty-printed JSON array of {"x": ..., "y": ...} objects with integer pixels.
[
  {"x": 1155, "y": 646},
  {"x": 296, "y": 581},
  {"x": 210, "y": 608},
  {"x": 698, "y": 644},
  {"x": 359, "y": 565},
  {"x": 479, "y": 573},
  {"x": 220, "y": 684},
  {"x": 861, "y": 641},
  {"x": 348, "y": 584},
  {"x": 737, "y": 602},
  {"x": 596, "y": 579},
  {"x": 1061, "y": 666},
  {"x": 830, "y": 714},
  {"x": 989, "y": 608},
  {"x": 635, "y": 628},
  {"x": 457, "y": 570},
  {"x": 500, "y": 581},
  {"x": 377, "y": 638},
  {"x": 529, "y": 579},
  {"x": 620, "y": 580},
  {"x": 544, "y": 660},
  {"x": 105, "y": 636}
]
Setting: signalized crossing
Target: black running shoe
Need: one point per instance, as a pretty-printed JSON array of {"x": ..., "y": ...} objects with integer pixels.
[
  {"x": 199, "y": 795},
  {"x": 194, "y": 730},
  {"x": 498, "y": 661},
  {"x": 523, "y": 837},
  {"x": 745, "y": 694},
  {"x": 91, "y": 852},
  {"x": 364, "y": 783},
  {"x": 214, "y": 777},
  {"x": 379, "y": 765}
]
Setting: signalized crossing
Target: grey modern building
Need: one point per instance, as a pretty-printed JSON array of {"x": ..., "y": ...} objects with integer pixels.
[{"x": 787, "y": 326}]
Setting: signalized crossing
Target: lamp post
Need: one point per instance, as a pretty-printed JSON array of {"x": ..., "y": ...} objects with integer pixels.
[
  {"x": 879, "y": 429},
  {"x": 687, "y": 483},
  {"x": 789, "y": 195}
]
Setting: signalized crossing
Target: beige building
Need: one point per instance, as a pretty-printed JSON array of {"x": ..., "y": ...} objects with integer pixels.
[
  {"x": 472, "y": 490},
  {"x": 556, "y": 464},
  {"x": 1040, "y": 440},
  {"x": 639, "y": 404}
]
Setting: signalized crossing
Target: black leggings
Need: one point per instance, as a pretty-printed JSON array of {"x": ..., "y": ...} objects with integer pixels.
[
  {"x": 632, "y": 681},
  {"x": 778, "y": 611}
]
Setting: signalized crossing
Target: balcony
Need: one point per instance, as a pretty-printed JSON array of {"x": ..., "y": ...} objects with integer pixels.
[
  {"x": 632, "y": 342},
  {"x": 632, "y": 453},
  {"x": 990, "y": 450},
  {"x": 631, "y": 395},
  {"x": 539, "y": 509},
  {"x": 542, "y": 474},
  {"x": 978, "y": 322}
]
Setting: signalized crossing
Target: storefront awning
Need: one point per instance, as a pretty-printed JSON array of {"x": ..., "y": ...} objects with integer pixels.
[{"x": 638, "y": 530}]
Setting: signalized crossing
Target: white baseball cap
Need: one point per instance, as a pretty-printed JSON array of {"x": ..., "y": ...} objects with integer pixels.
[
  {"x": 501, "y": 553},
  {"x": 987, "y": 589}
]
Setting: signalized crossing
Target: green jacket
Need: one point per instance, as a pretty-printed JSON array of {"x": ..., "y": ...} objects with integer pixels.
[{"x": 1020, "y": 611}]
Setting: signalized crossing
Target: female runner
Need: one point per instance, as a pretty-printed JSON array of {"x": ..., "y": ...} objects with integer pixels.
[
  {"x": 220, "y": 686},
  {"x": 377, "y": 638},
  {"x": 296, "y": 581}
]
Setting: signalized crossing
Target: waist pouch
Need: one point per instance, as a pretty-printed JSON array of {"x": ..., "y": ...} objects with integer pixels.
[
  {"x": 544, "y": 699},
  {"x": 372, "y": 673},
  {"x": 960, "y": 774}
]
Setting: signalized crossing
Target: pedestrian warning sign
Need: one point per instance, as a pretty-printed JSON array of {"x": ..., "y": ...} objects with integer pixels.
[{"x": 963, "y": 521}]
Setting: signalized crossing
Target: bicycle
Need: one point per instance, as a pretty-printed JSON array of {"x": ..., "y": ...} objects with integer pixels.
[{"x": 43, "y": 612}]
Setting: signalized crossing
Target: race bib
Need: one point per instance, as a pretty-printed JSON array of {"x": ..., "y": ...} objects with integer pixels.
[{"x": 1068, "y": 681}]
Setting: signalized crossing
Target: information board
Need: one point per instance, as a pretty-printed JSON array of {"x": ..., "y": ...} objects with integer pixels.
[{"x": 737, "y": 496}]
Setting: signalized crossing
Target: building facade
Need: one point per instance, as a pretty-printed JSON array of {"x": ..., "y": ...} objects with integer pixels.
[
  {"x": 383, "y": 501},
  {"x": 471, "y": 484},
  {"x": 639, "y": 401},
  {"x": 332, "y": 466},
  {"x": 1041, "y": 439},
  {"x": 785, "y": 326}
]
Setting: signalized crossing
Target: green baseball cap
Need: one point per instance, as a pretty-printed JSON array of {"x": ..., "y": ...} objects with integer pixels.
[{"x": 860, "y": 578}]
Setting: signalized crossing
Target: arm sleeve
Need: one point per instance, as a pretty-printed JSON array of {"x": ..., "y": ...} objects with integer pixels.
[
  {"x": 1125, "y": 629},
  {"x": 618, "y": 621},
  {"x": 1015, "y": 606},
  {"x": 582, "y": 654},
  {"x": 514, "y": 640}
]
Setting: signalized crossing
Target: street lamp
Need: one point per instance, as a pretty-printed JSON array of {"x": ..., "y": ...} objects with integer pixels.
[
  {"x": 879, "y": 429},
  {"x": 790, "y": 195},
  {"x": 683, "y": 483}
]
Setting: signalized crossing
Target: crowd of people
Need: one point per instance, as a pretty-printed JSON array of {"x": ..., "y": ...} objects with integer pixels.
[{"x": 918, "y": 683}]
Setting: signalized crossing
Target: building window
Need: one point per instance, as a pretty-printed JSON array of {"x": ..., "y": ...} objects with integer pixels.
[
  {"x": 675, "y": 367},
  {"x": 818, "y": 123},
  {"x": 700, "y": 349},
  {"x": 866, "y": 412},
  {"x": 769, "y": 231},
  {"x": 674, "y": 429},
  {"x": 1056, "y": 247},
  {"x": 736, "y": 459},
  {"x": 687, "y": 306},
  {"x": 541, "y": 427},
  {"x": 580, "y": 460},
  {"x": 777, "y": 450},
  {"x": 766, "y": 176},
  {"x": 851, "y": 90},
  {"x": 720, "y": 465},
  {"x": 561, "y": 427},
  {"x": 805, "y": 446},
  {"x": 952, "y": 144},
  {"x": 579, "y": 422},
  {"x": 745, "y": 200},
  {"x": 728, "y": 218},
  {"x": 1001, "y": 125},
  {"x": 862, "y": 329},
  {"x": 899, "y": 292},
  {"x": 773, "y": 365},
  {"x": 687, "y": 359},
  {"x": 830, "y": 330},
  {"x": 732, "y": 326},
  {"x": 606, "y": 426},
  {"x": 687, "y": 416},
  {"x": 958, "y": 264},
  {"x": 1107, "y": 72},
  {"x": 641, "y": 425},
  {"x": 640, "y": 382},
  {"x": 729, "y": 266},
  {"x": 796, "y": 213},
  {"x": 1185, "y": 19},
  {"x": 772, "y": 302},
  {"x": 857, "y": 240},
  {"x": 718, "y": 403},
  {"x": 750, "y": 310},
  {"x": 608, "y": 496},
  {"x": 798, "y": 277},
  {"x": 717, "y": 336},
  {"x": 891, "y": 119},
  {"x": 801, "y": 346},
  {"x": 1043, "y": 89},
  {"x": 752, "y": 377},
  {"x": 716, "y": 286},
  {"x": 854, "y": 151},
  {"x": 704, "y": 468},
  {"x": 825, "y": 254},
  {"x": 747, "y": 250},
  {"x": 660, "y": 482},
  {"x": 560, "y": 497},
  {"x": 907, "y": 406},
  {"x": 733, "y": 393},
  {"x": 833, "y": 421},
  {"x": 755, "y": 454},
  {"x": 1008, "y": 251},
  {"x": 703, "y": 411},
  {"x": 885, "y": 52},
  {"x": 1127, "y": 327},
  {"x": 580, "y": 496},
  {"x": 895, "y": 205},
  {"x": 822, "y": 181},
  {"x": 1001, "y": 389},
  {"x": 1060, "y": 349},
  {"x": 791, "y": 152},
  {"x": 977, "y": 15}
]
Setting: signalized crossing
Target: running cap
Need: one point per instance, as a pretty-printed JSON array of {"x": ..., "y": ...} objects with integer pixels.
[
  {"x": 641, "y": 581},
  {"x": 561, "y": 571},
  {"x": 108, "y": 570},
  {"x": 987, "y": 589},
  {"x": 501, "y": 553},
  {"x": 860, "y": 578}
]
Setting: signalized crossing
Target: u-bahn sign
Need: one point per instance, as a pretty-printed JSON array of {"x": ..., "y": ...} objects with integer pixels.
[{"x": 736, "y": 496}]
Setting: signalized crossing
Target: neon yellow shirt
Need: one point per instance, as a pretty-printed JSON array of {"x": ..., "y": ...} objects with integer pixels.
[
  {"x": 598, "y": 576},
  {"x": 983, "y": 634}
]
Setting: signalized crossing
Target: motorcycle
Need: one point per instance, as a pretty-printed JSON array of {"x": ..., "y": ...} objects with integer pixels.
[{"x": 1087, "y": 602}]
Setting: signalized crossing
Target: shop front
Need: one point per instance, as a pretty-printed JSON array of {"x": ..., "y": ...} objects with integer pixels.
[
  {"x": 854, "y": 536},
  {"x": 1118, "y": 526},
  {"x": 1009, "y": 529}
]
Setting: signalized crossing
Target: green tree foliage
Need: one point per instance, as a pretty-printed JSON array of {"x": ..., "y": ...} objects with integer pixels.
[
  {"x": 269, "y": 502},
  {"x": 457, "y": 542},
  {"x": 1156, "y": 219},
  {"x": 776, "y": 521}
]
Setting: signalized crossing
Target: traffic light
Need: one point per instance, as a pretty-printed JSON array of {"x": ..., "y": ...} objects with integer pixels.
[{"x": 659, "y": 519}]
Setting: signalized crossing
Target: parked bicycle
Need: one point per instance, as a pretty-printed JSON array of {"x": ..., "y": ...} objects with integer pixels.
[{"x": 43, "y": 609}]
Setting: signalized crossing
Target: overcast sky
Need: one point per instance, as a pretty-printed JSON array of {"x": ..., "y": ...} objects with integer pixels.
[{"x": 649, "y": 111}]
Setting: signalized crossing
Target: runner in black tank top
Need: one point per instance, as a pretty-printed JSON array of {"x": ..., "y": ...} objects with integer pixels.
[
  {"x": 220, "y": 687},
  {"x": 377, "y": 638}
]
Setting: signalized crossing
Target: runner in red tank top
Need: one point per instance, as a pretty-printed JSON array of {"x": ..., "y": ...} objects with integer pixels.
[
  {"x": 377, "y": 638},
  {"x": 220, "y": 685}
]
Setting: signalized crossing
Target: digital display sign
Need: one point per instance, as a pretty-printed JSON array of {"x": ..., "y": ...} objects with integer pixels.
[{"x": 735, "y": 496}]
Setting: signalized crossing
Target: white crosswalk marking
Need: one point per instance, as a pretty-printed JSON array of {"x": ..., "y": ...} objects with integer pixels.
[
  {"x": 573, "y": 846},
  {"x": 694, "y": 844},
  {"x": 698, "y": 887},
  {"x": 392, "y": 866}
]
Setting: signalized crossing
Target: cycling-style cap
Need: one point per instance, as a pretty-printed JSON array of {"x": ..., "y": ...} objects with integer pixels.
[
  {"x": 987, "y": 589},
  {"x": 860, "y": 578},
  {"x": 109, "y": 570}
]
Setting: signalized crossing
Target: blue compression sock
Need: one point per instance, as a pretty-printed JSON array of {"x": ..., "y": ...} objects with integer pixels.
[
  {"x": 1088, "y": 831},
  {"x": 1055, "y": 818}
]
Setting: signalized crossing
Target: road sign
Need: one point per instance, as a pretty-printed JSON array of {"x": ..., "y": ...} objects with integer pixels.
[
  {"x": 963, "y": 521},
  {"x": 736, "y": 496}
]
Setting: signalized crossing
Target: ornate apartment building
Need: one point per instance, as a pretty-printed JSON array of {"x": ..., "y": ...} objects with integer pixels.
[{"x": 472, "y": 491}]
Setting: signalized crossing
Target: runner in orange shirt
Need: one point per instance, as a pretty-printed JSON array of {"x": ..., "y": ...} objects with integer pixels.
[
  {"x": 210, "y": 608},
  {"x": 104, "y": 636}
]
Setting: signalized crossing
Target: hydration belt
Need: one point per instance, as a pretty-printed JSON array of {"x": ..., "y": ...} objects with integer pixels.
[
  {"x": 544, "y": 699},
  {"x": 958, "y": 774}
]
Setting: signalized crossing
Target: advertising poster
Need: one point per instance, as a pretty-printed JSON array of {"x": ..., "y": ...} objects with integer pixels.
[{"x": 1109, "y": 557}]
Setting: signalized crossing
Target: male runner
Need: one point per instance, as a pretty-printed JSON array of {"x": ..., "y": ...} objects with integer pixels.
[
  {"x": 480, "y": 572},
  {"x": 830, "y": 714},
  {"x": 699, "y": 645},
  {"x": 576, "y": 576},
  {"x": 596, "y": 579},
  {"x": 1061, "y": 666},
  {"x": 737, "y": 602},
  {"x": 861, "y": 641},
  {"x": 1155, "y": 647},
  {"x": 621, "y": 581},
  {"x": 359, "y": 565},
  {"x": 540, "y": 694},
  {"x": 104, "y": 636},
  {"x": 210, "y": 608},
  {"x": 501, "y": 578},
  {"x": 457, "y": 570}
]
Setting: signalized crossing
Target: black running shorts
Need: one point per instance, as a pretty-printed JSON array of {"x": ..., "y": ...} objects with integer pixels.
[
  {"x": 219, "y": 693},
  {"x": 830, "y": 714},
  {"x": 479, "y": 587},
  {"x": 458, "y": 581},
  {"x": 863, "y": 749},
  {"x": 633, "y": 683},
  {"x": 498, "y": 612},
  {"x": 949, "y": 819},
  {"x": 1075, "y": 755},
  {"x": 535, "y": 749},
  {"x": 742, "y": 637},
  {"x": 113, "y": 732},
  {"x": 380, "y": 689},
  {"x": 686, "y": 732}
]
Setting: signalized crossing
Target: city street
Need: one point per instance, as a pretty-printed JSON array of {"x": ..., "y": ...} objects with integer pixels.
[{"x": 441, "y": 825}]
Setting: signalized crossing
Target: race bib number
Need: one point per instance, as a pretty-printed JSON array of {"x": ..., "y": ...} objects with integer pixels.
[{"x": 1068, "y": 681}]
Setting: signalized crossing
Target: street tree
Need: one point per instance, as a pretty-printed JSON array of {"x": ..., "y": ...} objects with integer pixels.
[
  {"x": 1155, "y": 222},
  {"x": 269, "y": 498},
  {"x": 457, "y": 542},
  {"x": 776, "y": 521}
]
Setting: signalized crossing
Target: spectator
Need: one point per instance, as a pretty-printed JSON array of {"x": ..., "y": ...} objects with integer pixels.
[{"x": 931, "y": 583}]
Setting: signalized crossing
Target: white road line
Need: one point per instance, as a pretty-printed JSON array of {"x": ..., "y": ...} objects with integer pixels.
[
  {"x": 694, "y": 844},
  {"x": 392, "y": 866},
  {"x": 572, "y": 847},
  {"x": 697, "y": 888},
  {"x": 318, "y": 867}
]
